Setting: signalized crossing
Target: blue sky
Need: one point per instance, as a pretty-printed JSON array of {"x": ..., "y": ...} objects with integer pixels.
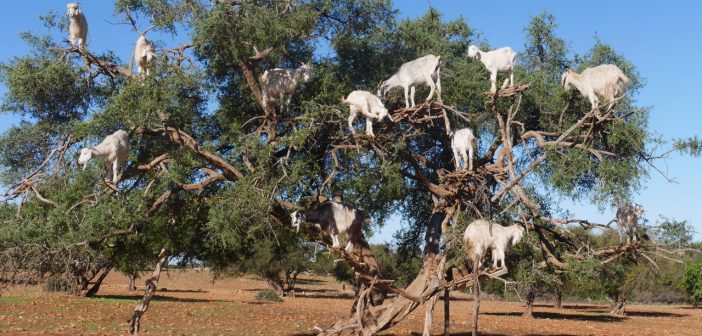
[{"x": 648, "y": 33}]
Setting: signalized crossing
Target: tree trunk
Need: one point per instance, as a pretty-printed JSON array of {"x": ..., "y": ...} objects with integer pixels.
[
  {"x": 132, "y": 282},
  {"x": 558, "y": 298},
  {"x": 529, "y": 296},
  {"x": 151, "y": 285},
  {"x": 618, "y": 307},
  {"x": 368, "y": 320},
  {"x": 446, "y": 312},
  {"x": 476, "y": 297},
  {"x": 96, "y": 286}
]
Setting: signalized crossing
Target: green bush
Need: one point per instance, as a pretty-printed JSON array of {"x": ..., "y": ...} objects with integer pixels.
[
  {"x": 691, "y": 282},
  {"x": 268, "y": 295}
]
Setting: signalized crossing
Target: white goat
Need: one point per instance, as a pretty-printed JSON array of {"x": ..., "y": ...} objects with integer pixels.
[
  {"x": 369, "y": 105},
  {"x": 143, "y": 55},
  {"x": 424, "y": 70},
  {"x": 462, "y": 143},
  {"x": 628, "y": 220},
  {"x": 606, "y": 80},
  {"x": 334, "y": 219},
  {"x": 279, "y": 84},
  {"x": 478, "y": 239},
  {"x": 114, "y": 149},
  {"x": 498, "y": 60},
  {"x": 77, "y": 27}
]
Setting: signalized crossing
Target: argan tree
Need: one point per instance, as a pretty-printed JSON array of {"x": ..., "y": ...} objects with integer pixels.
[{"x": 213, "y": 176}]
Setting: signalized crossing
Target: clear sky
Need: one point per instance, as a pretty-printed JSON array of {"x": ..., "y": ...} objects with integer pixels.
[{"x": 662, "y": 38}]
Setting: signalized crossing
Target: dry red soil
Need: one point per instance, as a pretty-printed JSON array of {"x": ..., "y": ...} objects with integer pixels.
[{"x": 190, "y": 303}]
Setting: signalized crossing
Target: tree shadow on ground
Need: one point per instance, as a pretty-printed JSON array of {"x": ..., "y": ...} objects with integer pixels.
[
  {"x": 560, "y": 316},
  {"x": 183, "y": 290},
  {"x": 647, "y": 314},
  {"x": 329, "y": 295},
  {"x": 156, "y": 298},
  {"x": 309, "y": 281}
]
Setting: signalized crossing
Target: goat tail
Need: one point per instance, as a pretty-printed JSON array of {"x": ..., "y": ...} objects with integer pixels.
[
  {"x": 624, "y": 80},
  {"x": 343, "y": 100}
]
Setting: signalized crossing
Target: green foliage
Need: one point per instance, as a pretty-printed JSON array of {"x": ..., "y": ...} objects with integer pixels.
[
  {"x": 691, "y": 282},
  {"x": 268, "y": 295}
]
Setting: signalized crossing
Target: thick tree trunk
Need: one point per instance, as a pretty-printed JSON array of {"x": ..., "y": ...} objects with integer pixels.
[
  {"x": 132, "y": 282},
  {"x": 96, "y": 286},
  {"x": 368, "y": 320},
  {"x": 151, "y": 285},
  {"x": 618, "y": 307}
]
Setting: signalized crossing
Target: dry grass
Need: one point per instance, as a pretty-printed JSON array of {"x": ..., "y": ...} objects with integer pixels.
[{"x": 191, "y": 304}]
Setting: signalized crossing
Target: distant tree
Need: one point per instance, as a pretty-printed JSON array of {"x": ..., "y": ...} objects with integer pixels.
[{"x": 691, "y": 282}]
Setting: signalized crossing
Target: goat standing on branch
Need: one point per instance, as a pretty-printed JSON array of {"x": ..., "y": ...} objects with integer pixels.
[
  {"x": 77, "y": 27},
  {"x": 628, "y": 220},
  {"x": 498, "y": 60},
  {"x": 477, "y": 240},
  {"x": 334, "y": 219},
  {"x": 279, "y": 84},
  {"x": 424, "y": 70},
  {"x": 114, "y": 149},
  {"x": 369, "y": 105},
  {"x": 143, "y": 55},
  {"x": 606, "y": 80},
  {"x": 462, "y": 144}
]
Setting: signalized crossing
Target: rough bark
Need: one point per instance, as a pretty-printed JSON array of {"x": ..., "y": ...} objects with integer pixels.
[
  {"x": 151, "y": 285},
  {"x": 368, "y": 319},
  {"x": 619, "y": 306}
]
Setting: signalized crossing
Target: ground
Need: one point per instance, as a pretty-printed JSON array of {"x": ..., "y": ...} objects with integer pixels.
[{"x": 189, "y": 303}]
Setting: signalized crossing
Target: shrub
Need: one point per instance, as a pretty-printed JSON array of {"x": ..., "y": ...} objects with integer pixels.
[
  {"x": 268, "y": 296},
  {"x": 691, "y": 282}
]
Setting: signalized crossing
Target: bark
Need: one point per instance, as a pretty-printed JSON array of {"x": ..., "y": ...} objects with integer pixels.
[
  {"x": 96, "y": 286},
  {"x": 618, "y": 307},
  {"x": 558, "y": 298},
  {"x": 132, "y": 282},
  {"x": 476, "y": 298},
  {"x": 368, "y": 320},
  {"x": 151, "y": 285},
  {"x": 447, "y": 300},
  {"x": 530, "y": 296}
]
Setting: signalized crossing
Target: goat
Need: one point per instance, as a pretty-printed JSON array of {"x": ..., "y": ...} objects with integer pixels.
[
  {"x": 143, "y": 55},
  {"x": 334, "y": 219},
  {"x": 478, "y": 239},
  {"x": 606, "y": 80},
  {"x": 498, "y": 60},
  {"x": 463, "y": 141},
  {"x": 281, "y": 83},
  {"x": 628, "y": 220},
  {"x": 369, "y": 105},
  {"x": 77, "y": 27},
  {"x": 424, "y": 70},
  {"x": 115, "y": 150}
]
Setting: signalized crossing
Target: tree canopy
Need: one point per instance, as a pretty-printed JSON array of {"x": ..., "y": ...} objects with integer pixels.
[{"x": 212, "y": 175}]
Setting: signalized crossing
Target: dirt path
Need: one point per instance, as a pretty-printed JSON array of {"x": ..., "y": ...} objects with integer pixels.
[{"x": 191, "y": 304}]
